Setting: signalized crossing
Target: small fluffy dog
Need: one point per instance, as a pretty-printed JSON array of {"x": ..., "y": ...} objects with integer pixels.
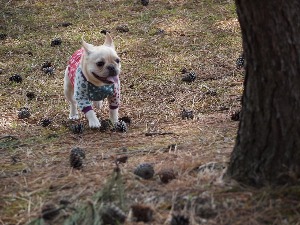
[{"x": 93, "y": 75}]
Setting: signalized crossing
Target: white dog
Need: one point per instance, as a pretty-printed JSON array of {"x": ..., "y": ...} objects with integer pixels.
[{"x": 93, "y": 75}]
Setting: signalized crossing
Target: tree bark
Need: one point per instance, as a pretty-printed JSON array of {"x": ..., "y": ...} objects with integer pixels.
[{"x": 267, "y": 149}]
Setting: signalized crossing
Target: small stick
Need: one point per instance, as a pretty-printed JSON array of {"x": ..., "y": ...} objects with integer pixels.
[
  {"x": 9, "y": 137},
  {"x": 158, "y": 133}
]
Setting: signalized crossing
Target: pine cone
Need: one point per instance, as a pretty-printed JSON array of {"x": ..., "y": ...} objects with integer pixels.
[
  {"x": 126, "y": 119},
  {"x": 179, "y": 220},
  {"x": 240, "y": 62},
  {"x": 16, "y": 78},
  {"x": 104, "y": 31},
  {"x": 23, "y": 113},
  {"x": 49, "y": 70},
  {"x": 77, "y": 128},
  {"x": 211, "y": 93},
  {"x": 121, "y": 126},
  {"x": 145, "y": 2},
  {"x": 142, "y": 213},
  {"x": 172, "y": 147},
  {"x": 166, "y": 175},
  {"x": 113, "y": 215},
  {"x": 46, "y": 64},
  {"x": 235, "y": 116},
  {"x": 122, "y": 159},
  {"x": 76, "y": 158},
  {"x": 184, "y": 70},
  {"x": 78, "y": 151},
  {"x": 3, "y": 36},
  {"x": 144, "y": 170},
  {"x": 189, "y": 77},
  {"x": 76, "y": 161},
  {"x": 106, "y": 125},
  {"x": 65, "y": 24},
  {"x": 30, "y": 95},
  {"x": 46, "y": 122},
  {"x": 187, "y": 114},
  {"x": 49, "y": 211},
  {"x": 122, "y": 28},
  {"x": 56, "y": 41}
]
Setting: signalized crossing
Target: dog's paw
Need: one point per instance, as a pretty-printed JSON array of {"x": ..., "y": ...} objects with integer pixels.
[
  {"x": 74, "y": 117},
  {"x": 94, "y": 124},
  {"x": 93, "y": 120}
]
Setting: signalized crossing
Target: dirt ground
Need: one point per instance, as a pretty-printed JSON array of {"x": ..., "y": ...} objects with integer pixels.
[
  {"x": 163, "y": 38},
  {"x": 40, "y": 174}
]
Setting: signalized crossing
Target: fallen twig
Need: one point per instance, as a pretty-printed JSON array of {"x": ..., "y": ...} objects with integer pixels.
[
  {"x": 158, "y": 133},
  {"x": 9, "y": 137}
]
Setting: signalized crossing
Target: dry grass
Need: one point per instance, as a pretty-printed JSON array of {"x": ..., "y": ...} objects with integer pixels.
[{"x": 202, "y": 36}]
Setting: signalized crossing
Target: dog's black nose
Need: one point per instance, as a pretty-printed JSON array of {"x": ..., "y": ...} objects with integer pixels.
[{"x": 111, "y": 70}]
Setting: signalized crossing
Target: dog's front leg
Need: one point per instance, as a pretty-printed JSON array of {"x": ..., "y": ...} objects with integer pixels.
[
  {"x": 93, "y": 120},
  {"x": 114, "y": 115}
]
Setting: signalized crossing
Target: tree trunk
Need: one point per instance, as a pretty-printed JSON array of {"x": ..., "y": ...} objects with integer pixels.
[{"x": 267, "y": 149}]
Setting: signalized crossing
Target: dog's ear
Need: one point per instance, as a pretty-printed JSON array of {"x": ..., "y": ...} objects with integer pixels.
[
  {"x": 87, "y": 47},
  {"x": 109, "y": 41}
]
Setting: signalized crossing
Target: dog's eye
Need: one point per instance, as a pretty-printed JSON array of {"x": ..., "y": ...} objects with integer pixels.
[
  {"x": 100, "y": 64},
  {"x": 117, "y": 61}
]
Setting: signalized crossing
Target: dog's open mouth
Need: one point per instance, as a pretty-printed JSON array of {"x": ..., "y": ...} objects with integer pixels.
[
  {"x": 108, "y": 80},
  {"x": 103, "y": 79}
]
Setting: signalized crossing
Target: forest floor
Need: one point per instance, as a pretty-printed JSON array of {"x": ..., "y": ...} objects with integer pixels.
[{"x": 162, "y": 39}]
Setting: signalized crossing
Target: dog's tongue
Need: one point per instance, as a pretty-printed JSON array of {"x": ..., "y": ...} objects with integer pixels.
[{"x": 113, "y": 79}]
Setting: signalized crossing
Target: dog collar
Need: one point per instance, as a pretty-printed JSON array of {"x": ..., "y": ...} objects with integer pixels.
[{"x": 83, "y": 75}]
